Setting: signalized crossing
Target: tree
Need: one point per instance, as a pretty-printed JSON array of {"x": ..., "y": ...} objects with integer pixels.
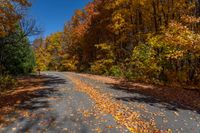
[
  {"x": 146, "y": 39},
  {"x": 10, "y": 15},
  {"x": 178, "y": 50},
  {"x": 14, "y": 30},
  {"x": 54, "y": 48},
  {"x": 17, "y": 58}
]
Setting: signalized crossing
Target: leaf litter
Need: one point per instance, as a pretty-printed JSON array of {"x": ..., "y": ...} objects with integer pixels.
[{"x": 122, "y": 114}]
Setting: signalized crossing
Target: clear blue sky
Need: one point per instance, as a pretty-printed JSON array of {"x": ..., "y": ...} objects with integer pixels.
[{"x": 51, "y": 15}]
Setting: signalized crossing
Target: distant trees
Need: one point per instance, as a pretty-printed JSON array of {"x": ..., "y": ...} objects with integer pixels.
[
  {"x": 49, "y": 55},
  {"x": 151, "y": 40}
]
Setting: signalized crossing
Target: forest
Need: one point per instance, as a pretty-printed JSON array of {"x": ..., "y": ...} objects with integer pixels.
[{"x": 155, "y": 41}]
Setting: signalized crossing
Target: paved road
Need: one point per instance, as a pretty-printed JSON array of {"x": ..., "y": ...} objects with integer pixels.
[
  {"x": 172, "y": 116},
  {"x": 61, "y": 108}
]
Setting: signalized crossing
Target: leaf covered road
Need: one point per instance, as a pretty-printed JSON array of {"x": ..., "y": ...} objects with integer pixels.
[{"x": 70, "y": 102}]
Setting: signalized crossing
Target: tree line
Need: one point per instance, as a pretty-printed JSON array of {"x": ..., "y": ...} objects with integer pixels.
[{"x": 146, "y": 40}]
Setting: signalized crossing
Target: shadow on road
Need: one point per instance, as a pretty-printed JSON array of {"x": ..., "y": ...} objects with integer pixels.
[
  {"x": 32, "y": 94},
  {"x": 157, "y": 98}
]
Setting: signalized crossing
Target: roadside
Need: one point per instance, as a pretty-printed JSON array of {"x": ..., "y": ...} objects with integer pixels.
[{"x": 23, "y": 92}]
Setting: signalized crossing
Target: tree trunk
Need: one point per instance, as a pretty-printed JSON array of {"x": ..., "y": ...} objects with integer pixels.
[{"x": 155, "y": 16}]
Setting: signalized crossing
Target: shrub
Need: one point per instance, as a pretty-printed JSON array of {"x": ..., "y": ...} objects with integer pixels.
[
  {"x": 129, "y": 74},
  {"x": 115, "y": 71},
  {"x": 101, "y": 66},
  {"x": 7, "y": 82},
  {"x": 105, "y": 59},
  {"x": 145, "y": 63}
]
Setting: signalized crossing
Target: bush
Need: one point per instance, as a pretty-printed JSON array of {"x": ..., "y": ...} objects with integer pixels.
[
  {"x": 115, "y": 71},
  {"x": 145, "y": 63},
  {"x": 105, "y": 59},
  {"x": 7, "y": 82},
  {"x": 129, "y": 74},
  {"x": 101, "y": 66},
  {"x": 19, "y": 58}
]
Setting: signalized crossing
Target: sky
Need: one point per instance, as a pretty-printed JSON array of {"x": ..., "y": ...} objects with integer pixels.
[{"x": 51, "y": 15}]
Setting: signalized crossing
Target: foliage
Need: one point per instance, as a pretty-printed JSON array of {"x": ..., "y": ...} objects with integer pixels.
[
  {"x": 169, "y": 56},
  {"x": 7, "y": 82},
  {"x": 51, "y": 56},
  {"x": 9, "y": 15},
  {"x": 42, "y": 59},
  {"x": 68, "y": 63},
  {"x": 116, "y": 71},
  {"x": 149, "y": 40},
  {"x": 19, "y": 58},
  {"x": 144, "y": 62},
  {"x": 16, "y": 58},
  {"x": 105, "y": 59},
  {"x": 16, "y": 55},
  {"x": 178, "y": 51},
  {"x": 53, "y": 46}
]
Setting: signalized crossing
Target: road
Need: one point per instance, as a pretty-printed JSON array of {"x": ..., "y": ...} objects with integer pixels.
[{"x": 62, "y": 107}]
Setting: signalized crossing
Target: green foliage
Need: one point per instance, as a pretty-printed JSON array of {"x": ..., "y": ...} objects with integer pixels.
[
  {"x": 19, "y": 58},
  {"x": 7, "y": 82},
  {"x": 129, "y": 74},
  {"x": 144, "y": 62},
  {"x": 116, "y": 71}
]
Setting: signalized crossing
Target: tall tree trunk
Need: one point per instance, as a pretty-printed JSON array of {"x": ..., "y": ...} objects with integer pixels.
[{"x": 155, "y": 15}]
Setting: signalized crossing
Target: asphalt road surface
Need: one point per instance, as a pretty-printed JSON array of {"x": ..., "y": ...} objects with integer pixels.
[{"x": 62, "y": 108}]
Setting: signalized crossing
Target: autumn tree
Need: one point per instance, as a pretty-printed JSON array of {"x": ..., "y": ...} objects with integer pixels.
[
  {"x": 10, "y": 15},
  {"x": 150, "y": 40}
]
